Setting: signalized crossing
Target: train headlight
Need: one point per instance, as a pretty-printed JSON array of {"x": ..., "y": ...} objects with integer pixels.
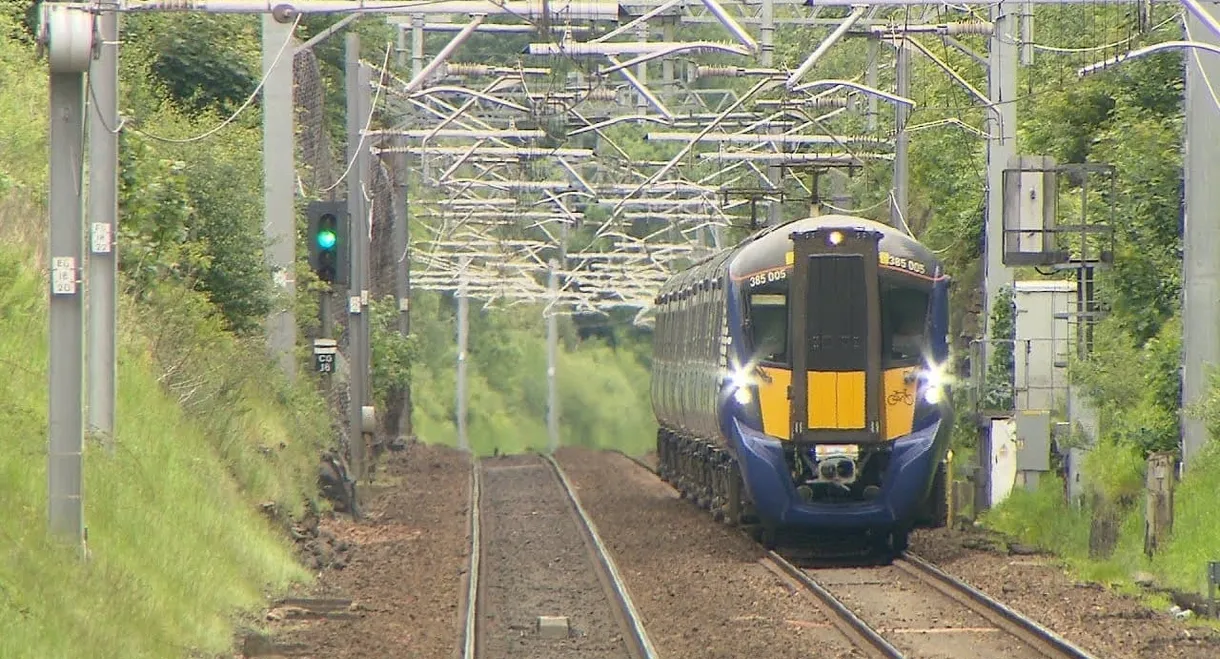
[
  {"x": 935, "y": 380},
  {"x": 933, "y": 395},
  {"x": 742, "y": 382},
  {"x": 743, "y": 396}
]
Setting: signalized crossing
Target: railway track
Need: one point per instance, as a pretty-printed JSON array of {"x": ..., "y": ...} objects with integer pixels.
[
  {"x": 910, "y": 608},
  {"x": 541, "y": 582}
]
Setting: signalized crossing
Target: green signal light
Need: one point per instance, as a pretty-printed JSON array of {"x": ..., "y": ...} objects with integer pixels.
[{"x": 326, "y": 239}]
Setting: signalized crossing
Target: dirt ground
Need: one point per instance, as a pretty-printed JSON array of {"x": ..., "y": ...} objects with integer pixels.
[
  {"x": 697, "y": 585},
  {"x": 1106, "y": 623},
  {"x": 402, "y": 567}
]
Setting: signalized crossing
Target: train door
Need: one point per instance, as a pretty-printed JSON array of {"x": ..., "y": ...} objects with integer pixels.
[{"x": 834, "y": 338}]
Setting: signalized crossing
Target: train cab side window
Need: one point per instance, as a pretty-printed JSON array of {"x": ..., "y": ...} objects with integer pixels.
[
  {"x": 904, "y": 315},
  {"x": 769, "y": 325}
]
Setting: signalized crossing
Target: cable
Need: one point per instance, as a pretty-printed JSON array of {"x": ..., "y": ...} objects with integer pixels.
[
  {"x": 858, "y": 211},
  {"x": 569, "y": 108},
  {"x": 237, "y": 113},
  {"x": 363, "y": 131},
  {"x": 1116, "y": 44},
  {"x": 1016, "y": 41}
]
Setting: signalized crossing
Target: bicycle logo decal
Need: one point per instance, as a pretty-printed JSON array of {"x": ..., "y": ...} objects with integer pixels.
[{"x": 901, "y": 395}]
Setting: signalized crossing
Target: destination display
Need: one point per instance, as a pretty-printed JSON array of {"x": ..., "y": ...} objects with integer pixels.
[{"x": 885, "y": 260}]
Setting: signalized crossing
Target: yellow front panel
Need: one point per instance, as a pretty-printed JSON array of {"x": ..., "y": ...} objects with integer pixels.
[
  {"x": 824, "y": 400},
  {"x": 899, "y": 400},
  {"x": 836, "y": 400},
  {"x": 773, "y": 401},
  {"x": 850, "y": 388}
]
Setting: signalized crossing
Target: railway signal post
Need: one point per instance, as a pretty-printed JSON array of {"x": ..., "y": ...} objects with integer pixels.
[{"x": 327, "y": 241}]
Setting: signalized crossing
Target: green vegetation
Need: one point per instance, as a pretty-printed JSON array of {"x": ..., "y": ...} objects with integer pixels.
[
  {"x": 998, "y": 387},
  {"x": 214, "y": 453},
  {"x": 1131, "y": 118},
  {"x": 176, "y": 539},
  {"x": 603, "y": 391},
  {"x": 208, "y": 439}
]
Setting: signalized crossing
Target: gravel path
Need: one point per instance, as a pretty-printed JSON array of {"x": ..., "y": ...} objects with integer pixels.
[{"x": 698, "y": 585}]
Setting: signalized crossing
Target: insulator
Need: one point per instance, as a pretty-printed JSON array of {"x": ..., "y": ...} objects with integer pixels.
[
  {"x": 729, "y": 71},
  {"x": 825, "y": 103},
  {"x": 969, "y": 27},
  {"x": 461, "y": 69},
  {"x": 175, "y": 5},
  {"x": 599, "y": 94}
]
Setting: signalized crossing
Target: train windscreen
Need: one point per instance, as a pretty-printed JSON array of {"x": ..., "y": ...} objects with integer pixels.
[
  {"x": 769, "y": 323},
  {"x": 904, "y": 312},
  {"x": 837, "y": 327},
  {"x": 904, "y": 318}
]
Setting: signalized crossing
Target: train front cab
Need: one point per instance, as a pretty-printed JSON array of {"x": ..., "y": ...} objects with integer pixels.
[{"x": 857, "y": 443}]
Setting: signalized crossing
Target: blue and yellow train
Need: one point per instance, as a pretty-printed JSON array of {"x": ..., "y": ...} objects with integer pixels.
[{"x": 859, "y": 443}]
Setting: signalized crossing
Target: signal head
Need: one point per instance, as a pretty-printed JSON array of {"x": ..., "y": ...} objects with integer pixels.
[{"x": 326, "y": 238}]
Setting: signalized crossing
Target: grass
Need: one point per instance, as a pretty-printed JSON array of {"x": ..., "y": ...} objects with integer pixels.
[
  {"x": 1041, "y": 517},
  {"x": 177, "y": 545},
  {"x": 23, "y": 152}
]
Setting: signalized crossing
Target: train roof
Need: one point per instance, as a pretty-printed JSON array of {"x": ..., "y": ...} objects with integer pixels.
[{"x": 768, "y": 248}]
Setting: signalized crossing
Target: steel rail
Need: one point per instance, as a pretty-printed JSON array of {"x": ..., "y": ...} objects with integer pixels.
[
  {"x": 1045, "y": 641},
  {"x": 856, "y": 630},
  {"x": 637, "y": 639},
  {"x": 1022, "y": 627},
  {"x": 470, "y": 632}
]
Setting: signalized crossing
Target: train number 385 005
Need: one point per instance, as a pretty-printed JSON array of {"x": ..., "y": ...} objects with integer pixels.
[{"x": 779, "y": 274}]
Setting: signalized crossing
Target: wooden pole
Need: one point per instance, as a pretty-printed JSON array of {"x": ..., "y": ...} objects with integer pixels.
[{"x": 1158, "y": 501}]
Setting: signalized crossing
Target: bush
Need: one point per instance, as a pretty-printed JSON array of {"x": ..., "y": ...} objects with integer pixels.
[{"x": 1041, "y": 517}]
